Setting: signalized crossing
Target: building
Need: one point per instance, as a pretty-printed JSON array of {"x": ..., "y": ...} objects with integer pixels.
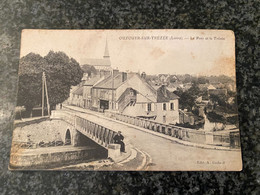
[
  {"x": 76, "y": 96},
  {"x": 206, "y": 87},
  {"x": 163, "y": 78},
  {"x": 130, "y": 94},
  {"x": 87, "y": 89},
  {"x": 100, "y": 63},
  {"x": 217, "y": 92}
]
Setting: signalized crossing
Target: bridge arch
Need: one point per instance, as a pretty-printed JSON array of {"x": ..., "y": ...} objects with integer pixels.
[{"x": 68, "y": 137}]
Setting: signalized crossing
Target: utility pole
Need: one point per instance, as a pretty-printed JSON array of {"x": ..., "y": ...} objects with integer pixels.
[
  {"x": 112, "y": 89},
  {"x": 44, "y": 86},
  {"x": 43, "y": 94}
]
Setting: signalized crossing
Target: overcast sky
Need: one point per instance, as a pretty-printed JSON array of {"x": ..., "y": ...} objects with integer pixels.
[{"x": 166, "y": 51}]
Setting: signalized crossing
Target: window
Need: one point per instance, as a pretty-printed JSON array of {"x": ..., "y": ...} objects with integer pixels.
[
  {"x": 164, "y": 106},
  {"x": 149, "y": 107},
  {"x": 172, "y": 106}
]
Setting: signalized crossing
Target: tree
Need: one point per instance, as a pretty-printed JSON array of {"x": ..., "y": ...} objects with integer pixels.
[
  {"x": 187, "y": 98},
  {"x": 29, "y": 90},
  {"x": 61, "y": 72},
  {"x": 203, "y": 80},
  {"x": 194, "y": 89},
  {"x": 90, "y": 70},
  {"x": 221, "y": 100}
]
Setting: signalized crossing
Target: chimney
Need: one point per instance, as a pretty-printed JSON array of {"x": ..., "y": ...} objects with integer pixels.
[
  {"x": 101, "y": 73},
  {"x": 164, "y": 90},
  {"x": 107, "y": 73},
  {"x": 143, "y": 75},
  {"x": 124, "y": 76},
  {"x": 115, "y": 71}
]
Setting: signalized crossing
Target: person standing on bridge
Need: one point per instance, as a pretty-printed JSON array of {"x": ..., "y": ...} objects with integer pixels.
[{"x": 118, "y": 139}]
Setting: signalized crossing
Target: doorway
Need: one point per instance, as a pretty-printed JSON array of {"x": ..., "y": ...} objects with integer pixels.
[{"x": 104, "y": 104}]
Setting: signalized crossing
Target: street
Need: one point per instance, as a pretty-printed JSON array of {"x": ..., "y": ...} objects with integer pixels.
[{"x": 166, "y": 154}]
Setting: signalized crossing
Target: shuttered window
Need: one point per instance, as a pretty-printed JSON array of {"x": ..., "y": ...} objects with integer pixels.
[
  {"x": 172, "y": 106},
  {"x": 149, "y": 107},
  {"x": 164, "y": 106}
]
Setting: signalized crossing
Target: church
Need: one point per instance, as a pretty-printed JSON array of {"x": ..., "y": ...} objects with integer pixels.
[{"x": 100, "y": 64}]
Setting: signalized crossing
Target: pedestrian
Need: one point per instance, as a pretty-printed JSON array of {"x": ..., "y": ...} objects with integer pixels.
[{"x": 118, "y": 139}]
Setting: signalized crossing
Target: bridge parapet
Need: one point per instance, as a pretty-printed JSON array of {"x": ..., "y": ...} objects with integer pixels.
[
  {"x": 101, "y": 135},
  {"x": 202, "y": 137},
  {"x": 98, "y": 133}
]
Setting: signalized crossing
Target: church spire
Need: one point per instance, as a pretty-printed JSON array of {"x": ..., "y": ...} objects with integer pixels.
[{"x": 106, "y": 54}]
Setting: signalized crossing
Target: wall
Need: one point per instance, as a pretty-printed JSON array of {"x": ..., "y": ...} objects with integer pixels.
[
  {"x": 55, "y": 159},
  {"x": 46, "y": 131},
  {"x": 171, "y": 116},
  {"x": 87, "y": 96},
  {"x": 104, "y": 94},
  {"x": 77, "y": 100},
  {"x": 137, "y": 84},
  {"x": 140, "y": 109},
  {"x": 185, "y": 118}
]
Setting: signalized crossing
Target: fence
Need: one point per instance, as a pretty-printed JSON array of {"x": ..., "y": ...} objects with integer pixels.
[{"x": 178, "y": 132}]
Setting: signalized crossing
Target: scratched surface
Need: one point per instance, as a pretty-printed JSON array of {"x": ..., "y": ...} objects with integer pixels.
[{"x": 240, "y": 16}]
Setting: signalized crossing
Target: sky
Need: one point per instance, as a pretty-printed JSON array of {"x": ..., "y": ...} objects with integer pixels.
[{"x": 196, "y": 52}]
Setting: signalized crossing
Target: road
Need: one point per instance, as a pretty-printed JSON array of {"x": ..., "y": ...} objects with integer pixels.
[{"x": 167, "y": 155}]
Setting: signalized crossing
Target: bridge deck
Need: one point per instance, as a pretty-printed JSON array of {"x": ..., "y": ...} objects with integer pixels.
[{"x": 166, "y": 154}]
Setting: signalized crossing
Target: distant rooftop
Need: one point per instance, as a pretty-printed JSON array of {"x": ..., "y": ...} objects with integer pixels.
[
  {"x": 164, "y": 95},
  {"x": 96, "y": 62}
]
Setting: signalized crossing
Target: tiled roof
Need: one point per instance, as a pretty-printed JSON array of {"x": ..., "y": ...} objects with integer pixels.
[
  {"x": 155, "y": 86},
  {"x": 164, "y": 95},
  {"x": 92, "y": 81},
  {"x": 108, "y": 82},
  {"x": 78, "y": 91},
  {"x": 97, "y": 62}
]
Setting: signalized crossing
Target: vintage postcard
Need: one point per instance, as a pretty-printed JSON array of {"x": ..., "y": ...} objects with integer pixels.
[{"x": 148, "y": 100}]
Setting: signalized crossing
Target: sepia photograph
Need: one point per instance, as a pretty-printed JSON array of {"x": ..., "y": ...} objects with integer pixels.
[{"x": 126, "y": 100}]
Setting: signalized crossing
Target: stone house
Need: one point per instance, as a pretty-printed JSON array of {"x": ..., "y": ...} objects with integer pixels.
[
  {"x": 130, "y": 94},
  {"x": 76, "y": 96}
]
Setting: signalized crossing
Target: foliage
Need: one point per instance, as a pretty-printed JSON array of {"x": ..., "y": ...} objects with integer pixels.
[
  {"x": 61, "y": 72},
  {"x": 186, "y": 100},
  {"x": 90, "y": 70},
  {"x": 29, "y": 90},
  {"x": 219, "y": 99},
  {"x": 203, "y": 80}
]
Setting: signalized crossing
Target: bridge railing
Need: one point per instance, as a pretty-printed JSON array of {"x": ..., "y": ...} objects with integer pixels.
[
  {"x": 100, "y": 134},
  {"x": 182, "y": 133}
]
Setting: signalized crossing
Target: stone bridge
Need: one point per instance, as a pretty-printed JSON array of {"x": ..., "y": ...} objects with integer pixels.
[
  {"x": 78, "y": 126},
  {"x": 164, "y": 144},
  {"x": 158, "y": 142}
]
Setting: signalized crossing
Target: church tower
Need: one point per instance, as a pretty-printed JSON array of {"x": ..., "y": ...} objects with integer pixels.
[
  {"x": 100, "y": 64},
  {"x": 106, "y": 54}
]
